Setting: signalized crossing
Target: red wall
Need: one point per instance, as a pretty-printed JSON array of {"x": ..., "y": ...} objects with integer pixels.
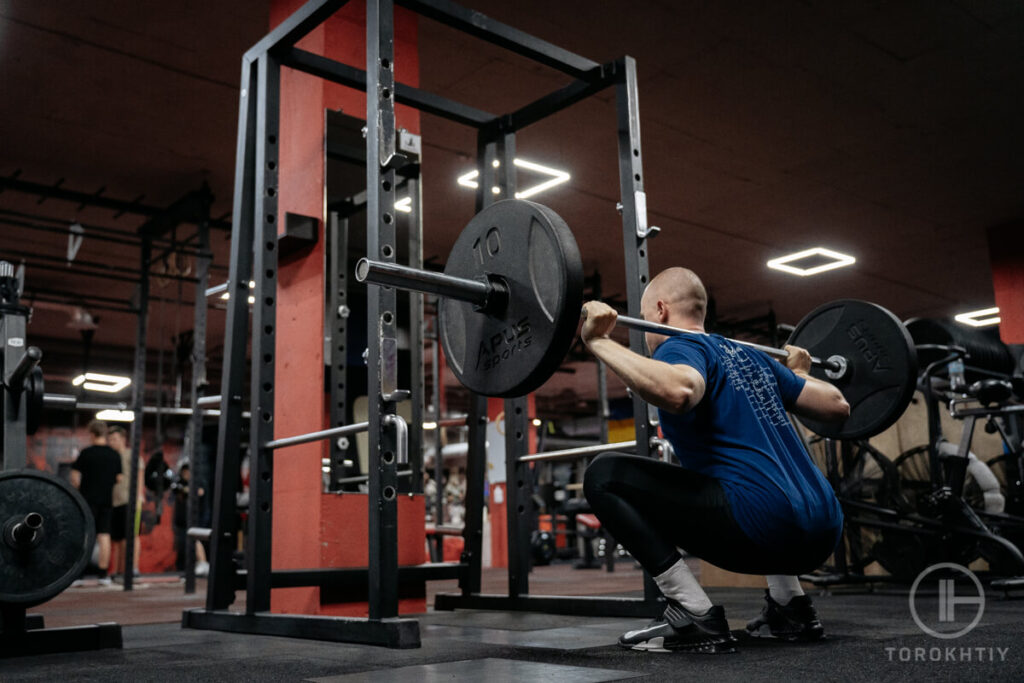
[
  {"x": 1006, "y": 249},
  {"x": 300, "y": 525}
]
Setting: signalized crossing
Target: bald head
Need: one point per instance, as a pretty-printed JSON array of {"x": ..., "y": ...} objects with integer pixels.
[{"x": 676, "y": 297}]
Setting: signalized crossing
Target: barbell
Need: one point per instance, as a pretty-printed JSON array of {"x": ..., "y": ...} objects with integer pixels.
[{"x": 510, "y": 298}]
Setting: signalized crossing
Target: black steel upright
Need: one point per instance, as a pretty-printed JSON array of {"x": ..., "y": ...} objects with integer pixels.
[
  {"x": 138, "y": 399},
  {"x": 336, "y": 316},
  {"x": 197, "y": 458},
  {"x": 13, "y": 400},
  {"x": 635, "y": 235},
  {"x": 518, "y": 476},
  {"x": 415, "y": 242},
  {"x": 221, "y": 587},
  {"x": 264, "y": 315},
  {"x": 382, "y": 315}
]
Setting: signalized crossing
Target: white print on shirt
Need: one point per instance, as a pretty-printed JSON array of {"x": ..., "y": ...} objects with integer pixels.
[{"x": 757, "y": 382}]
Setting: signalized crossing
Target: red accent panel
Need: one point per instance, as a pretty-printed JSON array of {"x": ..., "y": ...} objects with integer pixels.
[
  {"x": 498, "y": 512},
  {"x": 452, "y": 548},
  {"x": 1006, "y": 252},
  {"x": 345, "y": 543}
]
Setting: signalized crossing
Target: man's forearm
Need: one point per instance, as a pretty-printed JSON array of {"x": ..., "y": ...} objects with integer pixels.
[{"x": 656, "y": 382}]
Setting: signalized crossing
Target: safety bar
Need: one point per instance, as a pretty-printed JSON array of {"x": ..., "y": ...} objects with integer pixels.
[
  {"x": 59, "y": 400},
  {"x": 70, "y": 402},
  {"x": 391, "y": 420},
  {"x": 317, "y": 436},
  {"x": 362, "y": 478},
  {"x": 217, "y": 289},
  {"x": 572, "y": 453},
  {"x": 208, "y": 400}
]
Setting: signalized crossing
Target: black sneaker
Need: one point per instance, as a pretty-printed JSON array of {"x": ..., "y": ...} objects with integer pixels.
[
  {"x": 679, "y": 630},
  {"x": 796, "y": 621}
]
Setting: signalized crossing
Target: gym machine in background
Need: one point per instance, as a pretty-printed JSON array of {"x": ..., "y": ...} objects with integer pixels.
[
  {"x": 46, "y": 529},
  {"x": 938, "y": 502}
]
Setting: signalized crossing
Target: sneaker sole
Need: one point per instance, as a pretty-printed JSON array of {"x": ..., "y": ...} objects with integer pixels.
[
  {"x": 657, "y": 645},
  {"x": 765, "y": 632}
]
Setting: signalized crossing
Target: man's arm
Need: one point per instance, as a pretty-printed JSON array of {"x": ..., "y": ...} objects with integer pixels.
[
  {"x": 818, "y": 400},
  {"x": 673, "y": 388},
  {"x": 76, "y": 478}
]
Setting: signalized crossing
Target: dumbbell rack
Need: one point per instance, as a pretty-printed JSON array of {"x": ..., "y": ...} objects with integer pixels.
[{"x": 254, "y": 256}]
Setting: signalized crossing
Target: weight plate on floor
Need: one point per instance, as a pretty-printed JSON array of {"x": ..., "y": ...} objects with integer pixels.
[
  {"x": 514, "y": 350},
  {"x": 36, "y": 565},
  {"x": 882, "y": 364}
]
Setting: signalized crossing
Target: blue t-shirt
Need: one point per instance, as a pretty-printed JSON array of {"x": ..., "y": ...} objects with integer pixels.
[{"x": 739, "y": 434}]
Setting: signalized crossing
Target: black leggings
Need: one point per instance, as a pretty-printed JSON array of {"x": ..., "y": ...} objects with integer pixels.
[{"x": 653, "y": 507}]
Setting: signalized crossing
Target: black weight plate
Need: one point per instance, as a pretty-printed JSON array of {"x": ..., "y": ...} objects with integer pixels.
[
  {"x": 513, "y": 351},
  {"x": 34, "y": 574},
  {"x": 984, "y": 348},
  {"x": 882, "y": 364}
]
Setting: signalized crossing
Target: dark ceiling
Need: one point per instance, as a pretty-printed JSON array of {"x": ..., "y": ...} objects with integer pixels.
[{"x": 891, "y": 131}]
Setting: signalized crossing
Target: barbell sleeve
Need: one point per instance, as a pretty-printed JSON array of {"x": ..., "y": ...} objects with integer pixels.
[
  {"x": 477, "y": 292},
  {"x": 834, "y": 364}
]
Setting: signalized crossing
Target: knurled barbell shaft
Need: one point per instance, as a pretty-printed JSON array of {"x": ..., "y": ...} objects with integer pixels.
[{"x": 658, "y": 328}]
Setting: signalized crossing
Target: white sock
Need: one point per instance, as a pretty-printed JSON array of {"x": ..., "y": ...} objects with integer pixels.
[
  {"x": 783, "y": 588},
  {"x": 679, "y": 583}
]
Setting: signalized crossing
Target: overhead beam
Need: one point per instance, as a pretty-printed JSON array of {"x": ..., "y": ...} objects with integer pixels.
[
  {"x": 481, "y": 26},
  {"x": 86, "y": 199},
  {"x": 349, "y": 76}
]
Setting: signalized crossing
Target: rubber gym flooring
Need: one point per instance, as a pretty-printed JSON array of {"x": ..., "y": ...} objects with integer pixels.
[{"x": 871, "y": 636}]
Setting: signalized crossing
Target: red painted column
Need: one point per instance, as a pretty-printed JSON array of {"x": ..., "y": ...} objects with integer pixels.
[
  {"x": 498, "y": 511},
  {"x": 299, "y": 524},
  {"x": 1006, "y": 252}
]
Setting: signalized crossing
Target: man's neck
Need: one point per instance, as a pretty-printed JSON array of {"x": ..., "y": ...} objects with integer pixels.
[{"x": 688, "y": 325}]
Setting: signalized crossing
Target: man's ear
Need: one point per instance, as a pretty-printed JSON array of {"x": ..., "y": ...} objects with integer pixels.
[{"x": 662, "y": 311}]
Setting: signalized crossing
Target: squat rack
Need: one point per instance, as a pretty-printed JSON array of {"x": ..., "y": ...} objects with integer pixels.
[{"x": 254, "y": 256}]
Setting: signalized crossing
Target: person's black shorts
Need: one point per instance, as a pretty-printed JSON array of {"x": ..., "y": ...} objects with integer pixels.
[
  {"x": 118, "y": 523},
  {"x": 102, "y": 515}
]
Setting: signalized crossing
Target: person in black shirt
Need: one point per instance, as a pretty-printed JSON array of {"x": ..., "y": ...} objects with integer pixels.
[{"x": 94, "y": 474}]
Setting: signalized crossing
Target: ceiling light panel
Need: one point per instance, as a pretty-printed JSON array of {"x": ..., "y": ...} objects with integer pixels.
[{"x": 815, "y": 260}]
